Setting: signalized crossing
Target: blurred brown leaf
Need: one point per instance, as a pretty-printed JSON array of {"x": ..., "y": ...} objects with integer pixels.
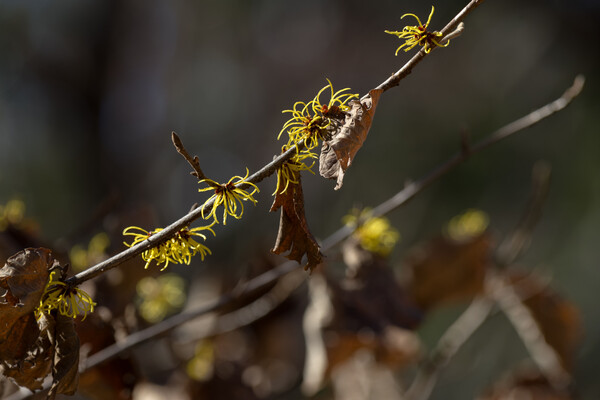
[
  {"x": 445, "y": 270},
  {"x": 338, "y": 152},
  {"x": 294, "y": 234}
]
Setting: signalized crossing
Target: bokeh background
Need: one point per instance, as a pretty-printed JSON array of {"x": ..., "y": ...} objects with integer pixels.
[{"x": 90, "y": 91}]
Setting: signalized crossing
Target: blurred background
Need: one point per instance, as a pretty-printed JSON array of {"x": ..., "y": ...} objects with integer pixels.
[{"x": 91, "y": 90}]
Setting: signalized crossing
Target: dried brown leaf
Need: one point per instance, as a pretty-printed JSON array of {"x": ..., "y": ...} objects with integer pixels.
[
  {"x": 339, "y": 151},
  {"x": 444, "y": 270},
  {"x": 31, "y": 359},
  {"x": 30, "y": 349},
  {"x": 294, "y": 235},
  {"x": 65, "y": 368},
  {"x": 24, "y": 351},
  {"x": 24, "y": 277}
]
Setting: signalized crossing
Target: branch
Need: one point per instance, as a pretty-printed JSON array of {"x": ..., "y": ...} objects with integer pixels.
[
  {"x": 448, "y": 345},
  {"x": 524, "y": 323},
  {"x": 452, "y": 28},
  {"x": 333, "y": 240},
  {"x": 522, "y": 123},
  {"x": 169, "y": 231},
  {"x": 516, "y": 243}
]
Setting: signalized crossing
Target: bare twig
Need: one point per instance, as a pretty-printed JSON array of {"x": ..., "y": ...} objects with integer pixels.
[
  {"x": 271, "y": 276},
  {"x": 522, "y": 123},
  {"x": 448, "y": 345},
  {"x": 451, "y": 28},
  {"x": 173, "y": 228},
  {"x": 515, "y": 244},
  {"x": 258, "y": 176},
  {"x": 193, "y": 161},
  {"x": 521, "y": 318}
]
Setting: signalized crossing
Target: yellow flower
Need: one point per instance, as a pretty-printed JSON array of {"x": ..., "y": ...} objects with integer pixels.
[
  {"x": 375, "y": 234},
  {"x": 160, "y": 296},
  {"x": 178, "y": 250},
  {"x": 69, "y": 301},
  {"x": 303, "y": 126},
  {"x": 310, "y": 120},
  {"x": 467, "y": 225},
  {"x": 418, "y": 35},
  {"x": 336, "y": 107},
  {"x": 290, "y": 169},
  {"x": 229, "y": 195}
]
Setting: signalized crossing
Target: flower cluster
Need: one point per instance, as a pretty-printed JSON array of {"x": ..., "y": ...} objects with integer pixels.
[
  {"x": 69, "y": 301},
  {"x": 288, "y": 172},
  {"x": 309, "y": 123},
  {"x": 178, "y": 250},
  {"x": 418, "y": 35},
  {"x": 229, "y": 195},
  {"x": 375, "y": 234}
]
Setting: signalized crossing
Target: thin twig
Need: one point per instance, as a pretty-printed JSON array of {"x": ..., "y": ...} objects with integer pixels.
[
  {"x": 517, "y": 242},
  {"x": 448, "y": 345},
  {"x": 173, "y": 228},
  {"x": 522, "y": 319},
  {"x": 450, "y": 28},
  {"x": 271, "y": 276},
  {"x": 169, "y": 231},
  {"x": 522, "y": 123},
  {"x": 481, "y": 308},
  {"x": 193, "y": 161}
]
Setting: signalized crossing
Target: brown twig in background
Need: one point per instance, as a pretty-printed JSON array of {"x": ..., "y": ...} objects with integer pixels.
[
  {"x": 516, "y": 243},
  {"x": 451, "y": 341},
  {"x": 545, "y": 356},
  {"x": 522, "y": 123},
  {"x": 496, "y": 291}
]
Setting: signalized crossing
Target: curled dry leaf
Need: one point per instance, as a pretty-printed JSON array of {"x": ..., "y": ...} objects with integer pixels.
[
  {"x": 24, "y": 351},
  {"x": 65, "y": 368},
  {"x": 339, "y": 151},
  {"x": 30, "y": 349},
  {"x": 445, "y": 270},
  {"x": 294, "y": 235}
]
